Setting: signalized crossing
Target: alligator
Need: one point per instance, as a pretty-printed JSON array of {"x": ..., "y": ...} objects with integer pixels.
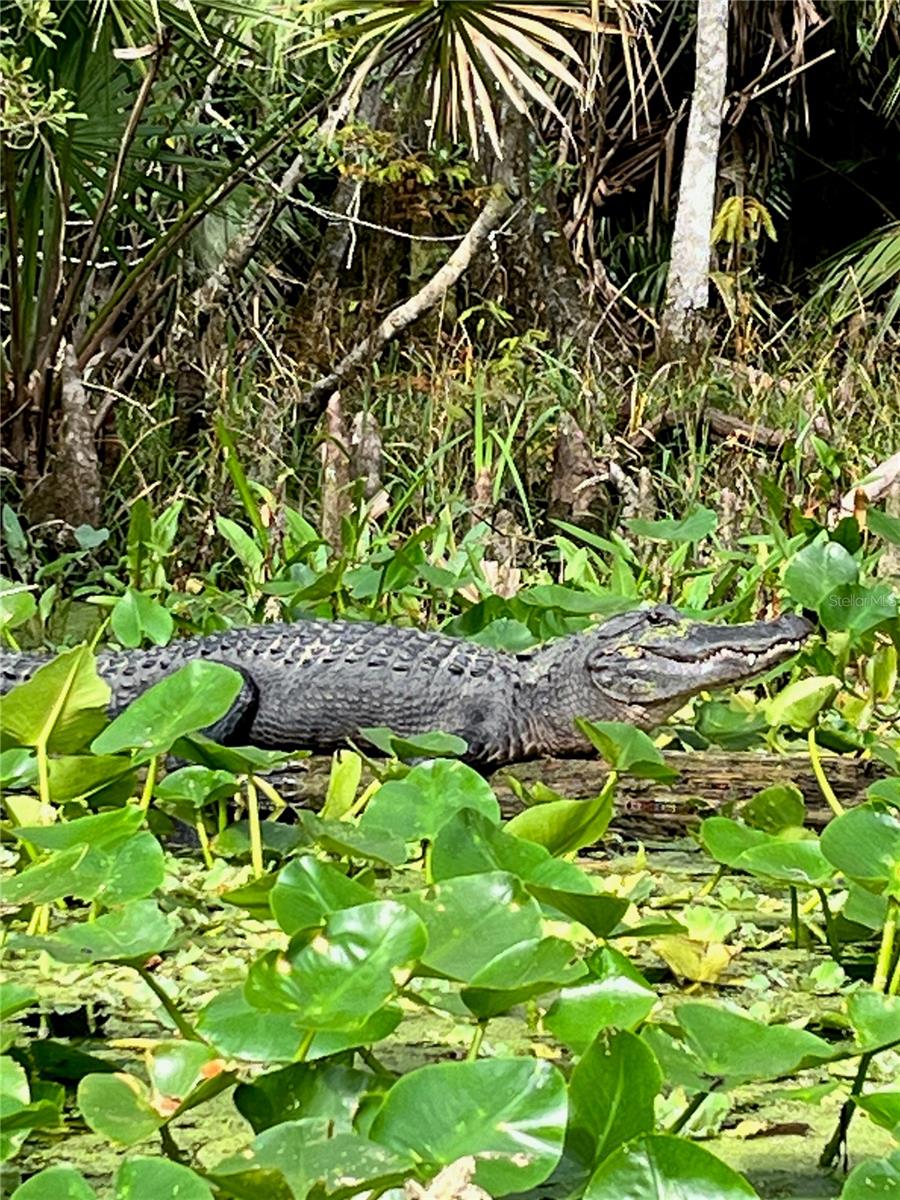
[{"x": 316, "y": 684}]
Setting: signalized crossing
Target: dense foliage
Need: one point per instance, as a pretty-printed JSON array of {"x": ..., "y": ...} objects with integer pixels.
[
  {"x": 353, "y": 309},
  {"x": 409, "y": 905}
]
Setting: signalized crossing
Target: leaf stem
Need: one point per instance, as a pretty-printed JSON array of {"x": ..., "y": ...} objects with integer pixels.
[
  {"x": 170, "y": 1147},
  {"x": 830, "y": 935},
  {"x": 679, "y": 1123},
  {"x": 886, "y": 950},
  {"x": 795, "y": 918},
  {"x": 203, "y": 839},
  {"x": 180, "y": 1021},
  {"x": 149, "y": 783},
  {"x": 837, "y": 1143},
  {"x": 824, "y": 786},
  {"x": 304, "y": 1047},
  {"x": 272, "y": 793},
  {"x": 477, "y": 1039},
  {"x": 256, "y": 849}
]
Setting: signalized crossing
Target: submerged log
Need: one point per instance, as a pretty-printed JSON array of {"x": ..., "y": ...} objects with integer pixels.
[{"x": 709, "y": 782}]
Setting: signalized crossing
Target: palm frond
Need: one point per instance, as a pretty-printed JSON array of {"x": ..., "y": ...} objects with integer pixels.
[{"x": 470, "y": 53}]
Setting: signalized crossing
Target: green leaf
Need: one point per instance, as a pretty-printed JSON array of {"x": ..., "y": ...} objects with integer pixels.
[
  {"x": 176, "y": 1068},
  {"x": 240, "y": 760},
  {"x": 527, "y": 969},
  {"x": 341, "y": 976},
  {"x": 136, "y": 617},
  {"x": 418, "y": 806},
  {"x": 142, "y": 1178},
  {"x": 311, "y": 1160},
  {"x": 349, "y": 840},
  {"x": 875, "y": 1019},
  {"x": 700, "y": 523},
  {"x": 15, "y": 998},
  {"x": 102, "y": 831},
  {"x": 887, "y": 790},
  {"x": 798, "y": 863},
  {"x": 471, "y": 919},
  {"x": 728, "y": 725},
  {"x": 799, "y": 704},
  {"x": 616, "y": 997},
  {"x": 570, "y": 600},
  {"x": 471, "y": 843},
  {"x": 250, "y": 554},
  {"x": 600, "y": 913},
  {"x": 423, "y": 745},
  {"x": 343, "y": 783},
  {"x": 196, "y": 786},
  {"x": 118, "y": 1107},
  {"x": 627, "y": 750},
  {"x": 612, "y": 1091},
  {"x": 315, "y": 1090},
  {"x": 133, "y": 932},
  {"x": 134, "y": 870},
  {"x": 18, "y": 769},
  {"x": 510, "y": 1114},
  {"x": 17, "y": 605},
  {"x": 74, "y": 777},
  {"x": 883, "y": 525},
  {"x": 192, "y": 698},
  {"x": 18, "y": 1115},
  {"x": 55, "y": 1183},
  {"x": 564, "y": 826},
  {"x": 129, "y": 871},
  {"x": 884, "y": 1110},
  {"x": 739, "y": 1049},
  {"x": 775, "y": 808},
  {"x": 877, "y": 1179},
  {"x": 864, "y": 843},
  {"x": 308, "y": 890},
  {"x": 238, "y": 1030},
  {"x": 62, "y": 706},
  {"x": 858, "y": 609},
  {"x": 726, "y": 840},
  {"x": 817, "y": 570},
  {"x": 666, "y": 1168},
  {"x": 77, "y": 872}
]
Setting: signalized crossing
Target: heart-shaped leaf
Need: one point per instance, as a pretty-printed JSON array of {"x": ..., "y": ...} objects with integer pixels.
[
  {"x": 738, "y": 1048},
  {"x": 666, "y": 1168},
  {"x": 308, "y": 890},
  {"x": 61, "y": 707},
  {"x": 342, "y": 975},
  {"x": 612, "y": 1091},
  {"x": 431, "y": 794},
  {"x": 190, "y": 699},
  {"x": 472, "y": 919},
  {"x": 616, "y": 997},
  {"x": 134, "y": 932},
  {"x": 510, "y": 1114}
]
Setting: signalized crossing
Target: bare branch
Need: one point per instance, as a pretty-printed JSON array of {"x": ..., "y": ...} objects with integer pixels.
[{"x": 413, "y": 308}]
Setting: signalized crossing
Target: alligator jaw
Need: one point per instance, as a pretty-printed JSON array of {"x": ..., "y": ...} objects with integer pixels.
[
  {"x": 641, "y": 667},
  {"x": 664, "y": 659}
]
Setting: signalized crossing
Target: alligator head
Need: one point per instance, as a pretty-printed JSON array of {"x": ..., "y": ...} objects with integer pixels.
[{"x": 642, "y": 666}]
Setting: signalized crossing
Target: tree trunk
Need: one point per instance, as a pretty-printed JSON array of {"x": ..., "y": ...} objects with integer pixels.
[{"x": 687, "y": 291}]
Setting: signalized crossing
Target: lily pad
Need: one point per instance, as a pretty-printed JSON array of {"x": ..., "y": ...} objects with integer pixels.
[{"x": 509, "y": 1114}]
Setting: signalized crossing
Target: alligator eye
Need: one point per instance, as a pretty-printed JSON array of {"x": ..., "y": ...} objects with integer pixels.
[{"x": 659, "y": 616}]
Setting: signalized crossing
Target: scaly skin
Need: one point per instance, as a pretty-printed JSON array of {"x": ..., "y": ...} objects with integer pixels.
[{"x": 313, "y": 684}]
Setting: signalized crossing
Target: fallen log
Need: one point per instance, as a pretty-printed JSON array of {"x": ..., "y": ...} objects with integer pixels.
[{"x": 709, "y": 782}]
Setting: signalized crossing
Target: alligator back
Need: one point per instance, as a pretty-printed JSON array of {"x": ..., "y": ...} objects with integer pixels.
[{"x": 313, "y": 684}]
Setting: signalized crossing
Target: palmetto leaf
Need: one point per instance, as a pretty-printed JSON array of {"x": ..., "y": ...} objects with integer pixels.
[{"x": 469, "y": 52}]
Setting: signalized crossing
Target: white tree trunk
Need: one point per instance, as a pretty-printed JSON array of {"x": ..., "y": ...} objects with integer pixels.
[{"x": 687, "y": 290}]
